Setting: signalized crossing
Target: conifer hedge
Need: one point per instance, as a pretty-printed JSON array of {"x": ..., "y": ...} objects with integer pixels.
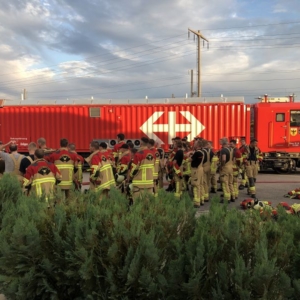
[{"x": 157, "y": 249}]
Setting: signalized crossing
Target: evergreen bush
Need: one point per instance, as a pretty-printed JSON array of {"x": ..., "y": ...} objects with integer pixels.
[{"x": 156, "y": 249}]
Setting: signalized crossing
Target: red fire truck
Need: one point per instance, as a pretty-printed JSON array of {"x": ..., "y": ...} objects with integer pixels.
[{"x": 275, "y": 122}]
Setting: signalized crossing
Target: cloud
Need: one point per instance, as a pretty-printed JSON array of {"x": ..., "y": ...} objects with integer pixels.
[{"x": 58, "y": 49}]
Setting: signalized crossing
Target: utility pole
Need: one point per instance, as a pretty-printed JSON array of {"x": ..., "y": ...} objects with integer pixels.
[
  {"x": 192, "y": 83},
  {"x": 199, "y": 36}
]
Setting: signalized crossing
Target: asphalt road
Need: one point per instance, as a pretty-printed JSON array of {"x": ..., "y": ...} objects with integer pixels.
[{"x": 269, "y": 187}]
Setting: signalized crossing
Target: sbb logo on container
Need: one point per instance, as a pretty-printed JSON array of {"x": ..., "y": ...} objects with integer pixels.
[{"x": 192, "y": 128}]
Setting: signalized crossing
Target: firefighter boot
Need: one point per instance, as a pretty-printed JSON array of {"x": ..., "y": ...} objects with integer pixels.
[
  {"x": 196, "y": 197},
  {"x": 213, "y": 190},
  {"x": 169, "y": 189},
  {"x": 241, "y": 187}
]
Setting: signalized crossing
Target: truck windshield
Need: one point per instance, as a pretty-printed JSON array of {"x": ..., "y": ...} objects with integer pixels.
[{"x": 295, "y": 118}]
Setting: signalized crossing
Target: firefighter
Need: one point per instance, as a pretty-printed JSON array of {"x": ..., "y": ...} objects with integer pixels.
[
  {"x": 66, "y": 162},
  {"x": 226, "y": 170},
  {"x": 123, "y": 164},
  {"x": 78, "y": 175},
  {"x": 186, "y": 166},
  {"x": 252, "y": 158},
  {"x": 177, "y": 167},
  {"x": 102, "y": 174},
  {"x": 237, "y": 161},
  {"x": 169, "y": 166},
  {"x": 197, "y": 174},
  {"x": 242, "y": 149},
  {"x": 12, "y": 160},
  {"x": 141, "y": 170},
  {"x": 156, "y": 155},
  {"x": 94, "y": 150},
  {"x": 41, "y": 176},
  {"x": 208, "y": 155},
  {"x": 28, "y": 160},
  {"x": 116, "y": 153},
  {"x": 41, "y": 144},
  {"x": 161, "y": 165},
  {"x": 213, "y": 170}
]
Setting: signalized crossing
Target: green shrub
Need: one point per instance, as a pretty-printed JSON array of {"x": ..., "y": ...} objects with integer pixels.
[{"x": 156, "y": 249}]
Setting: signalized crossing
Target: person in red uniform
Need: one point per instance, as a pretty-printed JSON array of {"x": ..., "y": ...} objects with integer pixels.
[
  {"x": 116, "y": 153},
  {"x": 66, "y": 163},
  {"x": 242, "y": 149},
  {"x": 141, "y": 170},
  {"x": 178, "y": 169},
  {"x": 78, "y": 175},
  {"x": 123, "y": 168},
  {"x": 102, "y": 175},
  {"x": 156, "y": 155},
  {"x": 41, "y": 144},
  {"x": 124, "y": 161},
  {"x": 169, "y": 166},
  {"x": 41, "y": 176},
  {"x": 237, "y": 161}
]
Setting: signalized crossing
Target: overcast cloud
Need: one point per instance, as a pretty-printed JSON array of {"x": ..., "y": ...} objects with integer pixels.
[{"x": 115, "y": 49}]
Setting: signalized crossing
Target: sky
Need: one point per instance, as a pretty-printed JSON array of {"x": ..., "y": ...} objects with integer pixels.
[{"x": 120, "y": 49}]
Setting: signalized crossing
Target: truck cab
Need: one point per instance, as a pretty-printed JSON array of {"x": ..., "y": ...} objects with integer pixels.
[{"x": 276, "y": 125}]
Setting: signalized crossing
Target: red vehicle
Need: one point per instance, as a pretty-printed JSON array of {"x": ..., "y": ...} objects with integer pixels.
[{"x": 275, "y": 122}]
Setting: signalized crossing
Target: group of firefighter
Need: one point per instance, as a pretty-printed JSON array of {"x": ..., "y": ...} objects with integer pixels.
[
  {"x": 196, "y": 164},
  {"x": 190, "y": 166}
]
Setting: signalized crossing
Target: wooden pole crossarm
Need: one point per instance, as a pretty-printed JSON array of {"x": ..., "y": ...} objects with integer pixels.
[{"x": 198, "y": 34}]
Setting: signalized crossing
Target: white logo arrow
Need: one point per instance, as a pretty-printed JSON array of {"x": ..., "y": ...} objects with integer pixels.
[{"x": 195, "y": 127}]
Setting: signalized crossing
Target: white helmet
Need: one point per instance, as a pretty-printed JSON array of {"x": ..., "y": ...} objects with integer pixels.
[{"x": 120, "y": 178}]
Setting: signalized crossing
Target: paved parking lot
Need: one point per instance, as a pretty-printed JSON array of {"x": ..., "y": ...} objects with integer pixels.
[{"x": 269, "y": 186}]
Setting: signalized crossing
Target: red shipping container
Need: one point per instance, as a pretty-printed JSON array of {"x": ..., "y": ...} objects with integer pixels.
[{"x": 82, "y": 123}]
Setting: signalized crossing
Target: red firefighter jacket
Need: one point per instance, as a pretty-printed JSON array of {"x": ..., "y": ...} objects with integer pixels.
[
  {"x": 142, "y": 168},
  {"x": 101, "y": 174},
  {"x": 123, "y": 163},
  {"x": 42, "y": 176},
  {"x": 65, "y": 162},
  {"x": 116, "y": 149}
]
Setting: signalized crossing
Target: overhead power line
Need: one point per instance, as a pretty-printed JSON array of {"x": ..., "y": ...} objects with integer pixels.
[{"x": 253, "y": 26}]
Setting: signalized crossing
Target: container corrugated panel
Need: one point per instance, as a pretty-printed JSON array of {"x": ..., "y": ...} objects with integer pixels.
[{"x": 160, "y": 122}]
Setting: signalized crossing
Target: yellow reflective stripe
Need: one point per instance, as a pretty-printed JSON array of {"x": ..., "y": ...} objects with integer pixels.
[
  {"x": 37, "y": 184},
  {"x": 133, "y": 168},
  {"x": 62, "y": 166},
  {"x": 105, "y": 185},
  {"x": 146, "y": 166},
  {"x": 25, "y": 181},
  {"x": 105, "y": 167},
  {"x": 147, "y": 184},
  {"x": 65, "y": 182},
  {"x": 144, "y": 173},
  {"x": 42, "y": 180}
]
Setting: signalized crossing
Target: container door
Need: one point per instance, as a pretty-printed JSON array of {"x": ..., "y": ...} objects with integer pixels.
[
  {"x": 280, "y": 130},
  {"x": 294, "y": 129}
]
